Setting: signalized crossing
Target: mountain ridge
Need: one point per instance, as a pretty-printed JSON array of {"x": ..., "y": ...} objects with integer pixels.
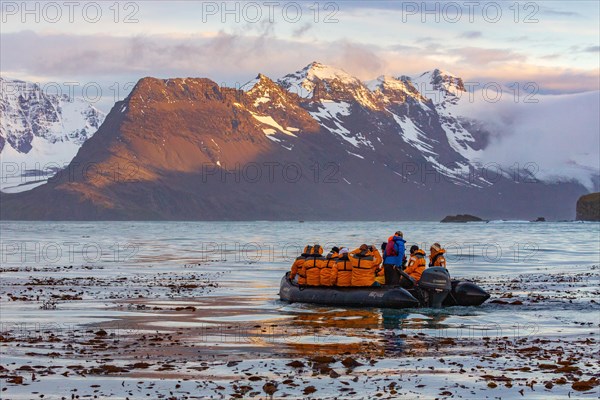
[{"x": 187, "y": 138}]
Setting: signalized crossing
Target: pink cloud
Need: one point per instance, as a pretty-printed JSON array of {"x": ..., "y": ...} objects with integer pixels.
[{"x": 235, "y": 57}]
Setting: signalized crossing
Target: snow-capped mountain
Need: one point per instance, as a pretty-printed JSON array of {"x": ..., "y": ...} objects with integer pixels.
[
  {"x": 373, "y": 115},
  {"x": 40, "y": 132},
  {"x": 315, "y": 144},
  {"x": 322, "y": 83}
]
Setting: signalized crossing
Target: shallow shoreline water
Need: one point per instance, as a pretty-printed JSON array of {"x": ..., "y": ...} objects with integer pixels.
[{"x": 192, "y": 309}]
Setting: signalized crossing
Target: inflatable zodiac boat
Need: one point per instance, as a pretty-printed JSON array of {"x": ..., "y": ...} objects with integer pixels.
[{"x": 435, "y": 289}]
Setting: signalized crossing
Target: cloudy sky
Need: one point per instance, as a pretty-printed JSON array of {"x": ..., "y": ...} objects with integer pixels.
[
  {"x": 107, "y": 46},
  {"x": 552, "y": 43}
]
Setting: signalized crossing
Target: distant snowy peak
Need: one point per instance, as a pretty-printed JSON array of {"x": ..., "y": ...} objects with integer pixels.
[
  {"x": 276, "y": 109},
  {"x": 308, "y": 77},
  {"x": 316, "y": 71},
  {"x": 421, "y": 111},
  {"x": 26, "y": 111},
  {"x": 39, "y": 129},
  {"x": 440, "y": 86},
  {"x": 395, "y": 90},
  {"x": 447, "y": 79},
  {"x": 264, "y": 91},
  {"x": 318, "y": 82}
]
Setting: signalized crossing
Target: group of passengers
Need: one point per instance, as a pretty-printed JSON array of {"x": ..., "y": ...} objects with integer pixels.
[{"x": 363, "y": 266}]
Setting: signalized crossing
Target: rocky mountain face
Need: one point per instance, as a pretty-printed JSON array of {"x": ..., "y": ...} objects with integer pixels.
[
  {"x": 40, "y": 132},
  {"x": 316, "y": 144}
]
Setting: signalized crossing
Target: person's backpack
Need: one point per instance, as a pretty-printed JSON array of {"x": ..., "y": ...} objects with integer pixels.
[{"x": 390, "y": 249}]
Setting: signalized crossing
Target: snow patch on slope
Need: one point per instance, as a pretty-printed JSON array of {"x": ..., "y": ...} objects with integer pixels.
[
  {"x": 330, "y": 114},
  {"x": 267, "y": 120},
  {"x": 412, "y": 135},
  {"x": 459, "y": 139}
]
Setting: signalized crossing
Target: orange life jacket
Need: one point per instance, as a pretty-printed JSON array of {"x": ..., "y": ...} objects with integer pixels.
[
  {"x": 326, "y": 269},
  {"x": 311, "y": 267},
  {"x": 416, "y": 265},
  {"x": 437, "y": 259},
  {"x": 297, "y": 266},
  {"x": 341, "y": 273},
  {"x": 364, "y": 267}
]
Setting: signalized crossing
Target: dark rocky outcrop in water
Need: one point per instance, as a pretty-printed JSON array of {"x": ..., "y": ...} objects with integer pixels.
[
  {"x": 588, "y": 207},
  {"x": 539, "y": 219},
  {"x": 461, "y": 218}
]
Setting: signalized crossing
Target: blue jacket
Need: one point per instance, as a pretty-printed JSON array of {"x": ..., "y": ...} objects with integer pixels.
[{"x": 400, "y": 249}]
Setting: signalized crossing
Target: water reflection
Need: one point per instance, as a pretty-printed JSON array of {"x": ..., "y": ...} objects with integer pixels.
[
  {"x": 394, "y": 319},
  {"x": 370, "y": 331}
]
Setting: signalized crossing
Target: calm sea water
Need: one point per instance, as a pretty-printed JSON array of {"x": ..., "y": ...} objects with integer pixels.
[
  {"x": 253, "y": 256},
  {"x": 473, "y": 248}
]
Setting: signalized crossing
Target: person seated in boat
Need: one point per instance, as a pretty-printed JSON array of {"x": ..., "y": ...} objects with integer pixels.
[
  {"x": 380, "y": 276},
  {"x": 311, "y": 267},
  {"x": 380, "y": 273},
  {"x": 394, "y": 258},
  {"x": 365, "y": 261},
  {"x": 416, "y": 266},
  {"x": 297, "y": 265},
  {"x": 436, "y": 256},
  {"x": 341, "y": 273},
  {"x": 327, "y": 266}
]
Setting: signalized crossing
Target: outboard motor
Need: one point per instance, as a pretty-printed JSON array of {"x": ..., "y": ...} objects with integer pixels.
[
  {"x": 435, "y": 285},
  {"x": 468, "y": 294}
]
